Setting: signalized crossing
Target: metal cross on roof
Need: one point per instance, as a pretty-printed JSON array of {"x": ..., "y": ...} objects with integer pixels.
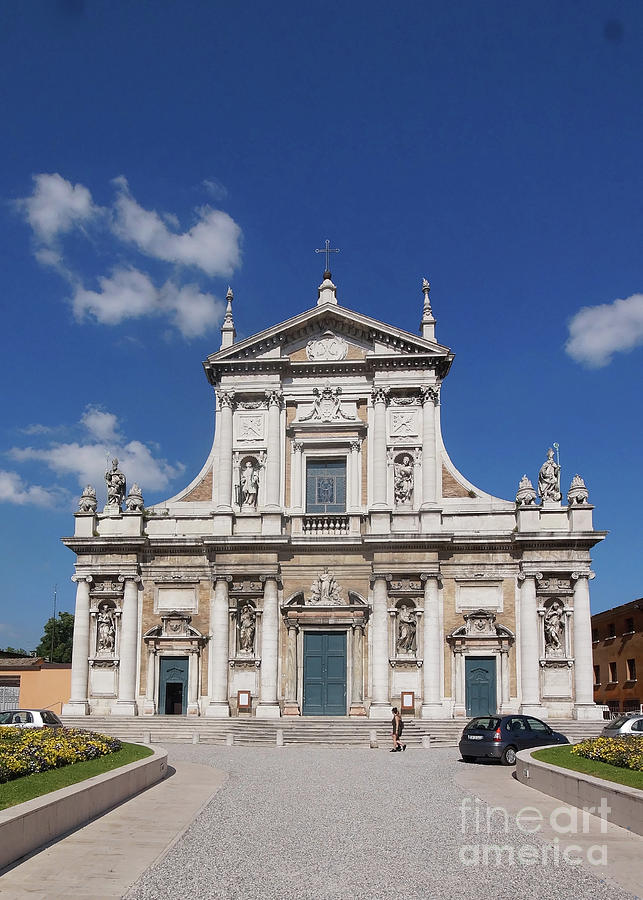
[{"x": 328, "y": 250}]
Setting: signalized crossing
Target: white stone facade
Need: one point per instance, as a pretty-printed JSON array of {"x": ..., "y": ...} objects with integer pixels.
[{"x": 329, "y": 558}]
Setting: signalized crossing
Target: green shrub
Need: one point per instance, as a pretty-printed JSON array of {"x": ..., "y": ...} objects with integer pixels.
[
  {"x": 624, "y": 752},
  {"x": 24, "y": 751}
]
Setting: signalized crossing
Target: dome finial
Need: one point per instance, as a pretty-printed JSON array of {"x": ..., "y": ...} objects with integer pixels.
[{"x": 427, "y": 325}]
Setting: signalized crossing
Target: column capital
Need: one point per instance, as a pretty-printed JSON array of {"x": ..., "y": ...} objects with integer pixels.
[
  {"x": 356, "y": 445},
  {"x": 219, "y": 576},
  {"x": 380, "y": 395},
  {"x": 274, "y": 398},
  {"x": 430, "y": 393},
  {"x": 589, "y": 575},
  {"x": 384, "y": 576},
  {"x": 424, "y": 576},
  {"x": 134, "y": 578},
  {"x": 226, "y": 399},
  {"x": 78, "y": 578},
  {"x": 297, "y": 446},
  {"x": 276, "y": 577}
]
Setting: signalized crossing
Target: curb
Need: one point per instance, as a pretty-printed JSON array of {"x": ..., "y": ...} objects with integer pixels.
[
  {"x": 28, "y": 826},
  {"x": 624, "y": 804}
]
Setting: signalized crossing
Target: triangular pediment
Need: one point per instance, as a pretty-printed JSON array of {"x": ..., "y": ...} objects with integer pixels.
[{"x": 328, "y": 333}]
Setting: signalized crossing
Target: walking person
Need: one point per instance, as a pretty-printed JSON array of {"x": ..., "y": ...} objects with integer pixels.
[{"x": 397, "y": 726}]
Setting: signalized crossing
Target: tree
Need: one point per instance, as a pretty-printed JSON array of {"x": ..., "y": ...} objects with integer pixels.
[
  {"x": 15, "y": 651},
  {"x": 61, "y": 630}
]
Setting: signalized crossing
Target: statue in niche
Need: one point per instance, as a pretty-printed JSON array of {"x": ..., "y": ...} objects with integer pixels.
[
  {"x": 249, "y": 485},
  {"x": 406, "y": 629},
  {"x": 553, "y": 625},
  {"x": 134, "y": 502},
  {"x": 115, "y": 487},
  {"x": 87, "y": 502},
  {"x": 549, "y": 478},
  {"x": 247, "y": 628},
  {"x": 325, "y": 590},
  {"x": 403, "y": 480},
  {"x": 105, "y": 629}
]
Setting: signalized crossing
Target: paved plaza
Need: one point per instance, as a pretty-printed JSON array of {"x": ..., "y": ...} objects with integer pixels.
[{"x": 299, "y": 822}]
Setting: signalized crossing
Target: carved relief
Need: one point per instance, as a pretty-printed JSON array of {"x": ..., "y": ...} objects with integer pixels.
[
  {"x": 249, "y": 428},
  {"x": 328, "y": 347},
  {"x": 325, "y": 591},
  {"x": 404, "y": 424},
  {"x": 327, "y": 405}
]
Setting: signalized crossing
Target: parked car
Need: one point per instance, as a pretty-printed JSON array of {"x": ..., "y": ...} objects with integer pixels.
[
  {"x": 500, "y": 737},
  {"x": 628, "y": 723},
  {"x": 30, "y": 718}
]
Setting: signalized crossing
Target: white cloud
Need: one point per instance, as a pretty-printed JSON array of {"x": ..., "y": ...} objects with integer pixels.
[
  {"x": 215, "y": 188},
  {"x": 56, "y": 206},
  {"x": 14, "y": 490},
  {"x": 130, "y": 294},
  {"x": 597, "y": 332},
  {"x": 87, "y": 460},
  {"x": 212, "y": 244}
]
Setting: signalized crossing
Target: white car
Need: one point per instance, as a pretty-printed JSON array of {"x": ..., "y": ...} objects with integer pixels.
[
  {"x": 30, "y": 718},
  {"x": 628, "y": 723}
]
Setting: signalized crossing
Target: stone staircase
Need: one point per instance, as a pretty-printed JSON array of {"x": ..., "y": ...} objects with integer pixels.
[{"x": 322, "y": 731}]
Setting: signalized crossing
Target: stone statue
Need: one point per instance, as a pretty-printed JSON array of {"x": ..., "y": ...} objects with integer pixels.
[
  {"x": 249, "y": 485},
  {"x": 526, "y": 495},
  {"x": 134, "y": 502},
  {"x": 106, "y": 630},
  {"x": 549, "y": 478},
  {"x": 115, "y": 487},
  {"x": 325, "y": 591},
  {"x": 553, "y": 624},
  {"x": 247, "y": 628},
  {"x": 578, "y": 493},
  {"x": 87, "y": 502},
  {"x": 406, "y": 629},
  {"x": 403, "y": 480}
]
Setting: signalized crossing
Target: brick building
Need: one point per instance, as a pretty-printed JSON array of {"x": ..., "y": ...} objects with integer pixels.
[{"x": 617, "y": 640}]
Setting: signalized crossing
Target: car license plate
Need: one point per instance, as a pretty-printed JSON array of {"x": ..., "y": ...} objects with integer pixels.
[{"x": 475, "y": 737}]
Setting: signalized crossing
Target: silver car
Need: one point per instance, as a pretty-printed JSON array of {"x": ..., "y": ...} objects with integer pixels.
[
  {"x": 628, "y": 723},
  {"x": 30, "y": 718}
]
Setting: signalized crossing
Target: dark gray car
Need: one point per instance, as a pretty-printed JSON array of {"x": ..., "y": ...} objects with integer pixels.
[{"x": 500, "y": 737}]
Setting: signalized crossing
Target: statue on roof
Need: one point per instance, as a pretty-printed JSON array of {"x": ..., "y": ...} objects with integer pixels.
[
  {"x": 549, "y": 478},
  {"x": 115, "y": 481}
]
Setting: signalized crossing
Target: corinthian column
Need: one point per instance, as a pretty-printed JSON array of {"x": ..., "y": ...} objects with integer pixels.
[
  {"x": 529, "y": 649},
  {"x": 430, "y": 399},
  {"x": 218, "y": 656},
  {"x": 78, "y": 704},
  {"x": 584, "y": 706},
  {"x": 433, "y": 649},
  {"x": 126, "y": 703},
  {"x": 268, "y": 707},
  {"x": 273, "y": 462},
  {"x": 224, "y": 425},
  {"x": 356, "y": 475},
  {"x": 380, "y": 708},
  {"x": 296, "y": 501},
  {"x": 379, "y": 492}
]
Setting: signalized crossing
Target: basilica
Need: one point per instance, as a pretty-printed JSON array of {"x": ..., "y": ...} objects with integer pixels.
[{"x": 329, "y": 559}]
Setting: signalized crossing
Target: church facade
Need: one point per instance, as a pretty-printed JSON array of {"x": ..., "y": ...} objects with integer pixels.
[{"x": 329, "y": 559}]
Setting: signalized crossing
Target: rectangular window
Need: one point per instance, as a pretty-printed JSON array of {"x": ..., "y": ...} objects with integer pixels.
[
  {"x": 613, "y": 675},
  {"x": 597, "y": 676},
  {"x": 629, "y": 626},
  {"x": 611, "y": 630},
  {"x": 326, "y": 486},
  {"x": 631, "y": 670},
  {"x": 595, "y": 635}
]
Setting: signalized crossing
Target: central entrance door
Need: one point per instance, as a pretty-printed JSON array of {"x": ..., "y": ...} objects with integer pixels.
[
  {"x": 480, "y": 685},
  {"x": 324, "y": 673},
  {"x": 173, "y": 685}
]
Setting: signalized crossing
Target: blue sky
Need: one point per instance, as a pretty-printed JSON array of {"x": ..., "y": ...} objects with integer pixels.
[{"x": 155, "y": 153}]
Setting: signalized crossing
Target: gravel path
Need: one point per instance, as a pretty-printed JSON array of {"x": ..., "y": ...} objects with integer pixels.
[{"x": 321, "y": 823}]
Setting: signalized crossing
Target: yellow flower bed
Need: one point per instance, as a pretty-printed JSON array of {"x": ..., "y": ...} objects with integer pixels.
[
  {"x": 24, "y": 751},
  {"x": 624, "y": 752}
]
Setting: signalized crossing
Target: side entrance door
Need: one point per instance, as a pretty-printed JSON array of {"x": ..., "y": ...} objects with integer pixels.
[
  {"x": 324, "y": 673},
  {"x": 173, "y": 685},
  {"x": 480, "y": 685}
]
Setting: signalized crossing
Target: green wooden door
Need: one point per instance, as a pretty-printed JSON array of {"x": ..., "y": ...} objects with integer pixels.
[
  {"x": 173, "y": 685},
  {"x": 480, "y": 685},
  {"x": 324, "y": 673}
]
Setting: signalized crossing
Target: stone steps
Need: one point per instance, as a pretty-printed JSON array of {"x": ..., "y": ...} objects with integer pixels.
[{"x": 329, "y": 731}]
